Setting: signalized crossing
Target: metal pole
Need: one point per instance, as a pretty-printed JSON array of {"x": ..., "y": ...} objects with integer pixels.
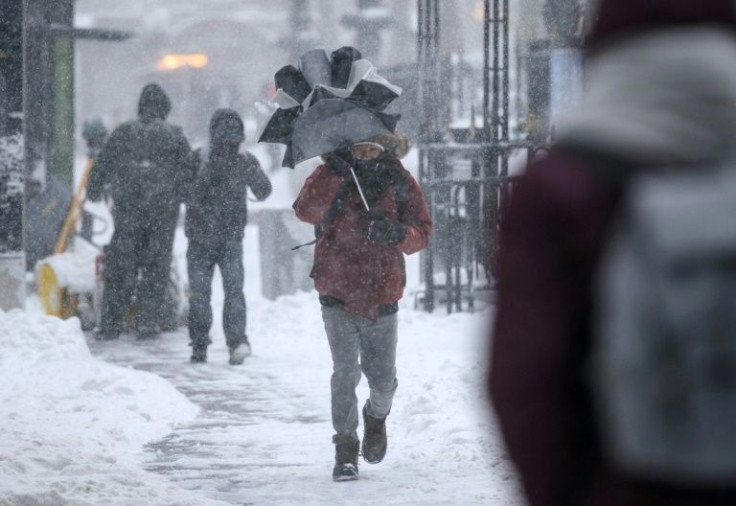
[
  {"x": 425, "y": 102},
  {"x": 486, "y": 70},
  {"x": 12, "y": 171},
  {"x": 505, "y": 74},
  {"x": 496, "y": 81}
]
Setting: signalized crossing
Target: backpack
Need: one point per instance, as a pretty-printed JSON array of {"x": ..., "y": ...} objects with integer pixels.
[
  {"x": 664, "y": 342},
  {"x": 150, "y": 170}
]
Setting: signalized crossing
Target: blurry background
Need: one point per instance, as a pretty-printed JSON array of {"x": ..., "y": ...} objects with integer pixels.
[
  {"x": 239, "y": 46},
  {"x": 484, "y": 82},
  {"x": 223, "y": 53}
]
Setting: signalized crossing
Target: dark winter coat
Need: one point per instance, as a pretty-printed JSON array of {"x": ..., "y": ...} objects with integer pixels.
[
  {"x": 347, "y": 266},
  {"x": 145, "y": 162},
  {"x": 217, "y": 207},
  {"x": 662, "y": 100}
]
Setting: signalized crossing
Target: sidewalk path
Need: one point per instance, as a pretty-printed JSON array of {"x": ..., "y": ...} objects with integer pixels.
[
  {"x": 249, "y": 434},
  {"x": 263, "y": 436}
]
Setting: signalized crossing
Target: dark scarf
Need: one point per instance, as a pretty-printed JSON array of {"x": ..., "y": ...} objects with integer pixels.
[{"x": 376, "y": 176}]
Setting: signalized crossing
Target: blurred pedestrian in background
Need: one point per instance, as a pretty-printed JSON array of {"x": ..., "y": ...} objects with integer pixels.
[
  {"x": 144, "y": 164},
  {"x": 216, "y": 216},
  {"x": 660, "y": 93}
]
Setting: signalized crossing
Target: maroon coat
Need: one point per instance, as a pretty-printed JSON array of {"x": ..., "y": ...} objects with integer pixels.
[
  {"x": 347, "y": 266},
  {"x": 552, "y": 237}
]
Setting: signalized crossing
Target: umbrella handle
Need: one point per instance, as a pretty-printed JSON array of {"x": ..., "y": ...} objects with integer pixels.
[{"x": 360, "y": 190}]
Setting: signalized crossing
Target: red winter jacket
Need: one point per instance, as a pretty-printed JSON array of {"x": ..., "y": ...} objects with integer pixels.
[{"x": 348, "y": 267}]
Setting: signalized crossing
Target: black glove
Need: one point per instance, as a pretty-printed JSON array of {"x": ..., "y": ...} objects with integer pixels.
[
  {"x": 340, "y": 162},
  {"x": 381, "y": 230}
]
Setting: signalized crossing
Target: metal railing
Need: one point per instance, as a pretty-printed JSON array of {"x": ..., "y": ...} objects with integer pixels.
[{"x": 464, "y": 174}]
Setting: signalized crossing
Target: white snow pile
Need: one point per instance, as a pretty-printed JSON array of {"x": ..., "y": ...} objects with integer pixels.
[
  {"x": 72, "y": 426},
  {"x": 11, "y": 154},
  {"x": 74, "y": 270}
]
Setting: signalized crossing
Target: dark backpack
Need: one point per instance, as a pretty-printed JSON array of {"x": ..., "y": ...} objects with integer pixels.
[
  {"x": 664, "y": 356},
  {"x": 152, "y": 170}
]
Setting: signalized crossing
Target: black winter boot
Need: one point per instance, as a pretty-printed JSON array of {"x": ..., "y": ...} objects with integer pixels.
[
  {"x": 199, "y": 355},
  {"x": 346, "y": 457},
  {"x": 374, "y": 437}
]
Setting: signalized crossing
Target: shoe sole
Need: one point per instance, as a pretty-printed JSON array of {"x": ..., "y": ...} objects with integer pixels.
[
  {"x": 350, "y": 474},
  {"x": 346, "y": 478},
  {"x": 372, "y": 461}
]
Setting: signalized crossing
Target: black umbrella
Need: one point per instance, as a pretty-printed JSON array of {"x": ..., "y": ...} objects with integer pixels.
[
  {"x": 293, "y": 82},
  {"x": 369, "y": 88},
  {"x": 334, "y": 123},
  {"x": 342, "y": 65},
  {"x": 373, "y": 95},
  {"x": 316, "y": 67},
  {"x": 330, "y": 101},
  {"x": 279, "y": 126}
]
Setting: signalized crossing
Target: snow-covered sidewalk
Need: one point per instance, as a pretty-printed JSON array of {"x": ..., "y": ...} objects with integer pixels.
[
  {"x": 132, "y": 423},
  {"x": 263, "y": 436},
  {"x": 257, "y": 434}
]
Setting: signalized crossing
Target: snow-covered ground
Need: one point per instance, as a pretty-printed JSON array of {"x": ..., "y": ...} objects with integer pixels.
[
  {"x": 73, "y": 426},
  {"x": 130, "y": 423}
]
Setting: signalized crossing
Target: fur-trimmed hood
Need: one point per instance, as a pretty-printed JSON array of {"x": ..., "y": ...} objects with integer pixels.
[{"x": 395, "y": 143}]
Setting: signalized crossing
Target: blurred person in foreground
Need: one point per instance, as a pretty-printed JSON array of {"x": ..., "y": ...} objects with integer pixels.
[
  {"x": 216, "y": 216},
  {"x": 144, "y": 165},
  {"x": 660, "y": 92},
  {"x": 360, "y": 275}
]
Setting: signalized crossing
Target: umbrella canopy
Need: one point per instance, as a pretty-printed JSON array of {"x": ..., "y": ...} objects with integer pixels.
[
  {"x": 330, "y": 101},
  {"x": 334, "y": 123},
  {"x": 292, "y": 82},
  {"x": 280, "y": 126}
]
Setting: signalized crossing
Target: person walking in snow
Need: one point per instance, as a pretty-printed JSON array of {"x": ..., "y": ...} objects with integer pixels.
[
  {"x": 216, "y": 215},
  {"x": 660, "y": 95},
  {"x": 359, "y": 274},
  {"x": 143, "y": 165}
]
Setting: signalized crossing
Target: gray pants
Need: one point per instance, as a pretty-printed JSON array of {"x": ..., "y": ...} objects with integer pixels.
[{"x": 357, "y": 344}]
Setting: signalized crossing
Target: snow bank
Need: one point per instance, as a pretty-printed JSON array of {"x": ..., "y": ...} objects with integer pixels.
[
  {"x": 11, "y": 154},
  {"x": 74, "y": 271},
  {"x": 72, "y": 426}
]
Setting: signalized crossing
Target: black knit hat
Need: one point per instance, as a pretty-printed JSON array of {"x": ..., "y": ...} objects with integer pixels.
[{"x": 153, "y": 102}]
